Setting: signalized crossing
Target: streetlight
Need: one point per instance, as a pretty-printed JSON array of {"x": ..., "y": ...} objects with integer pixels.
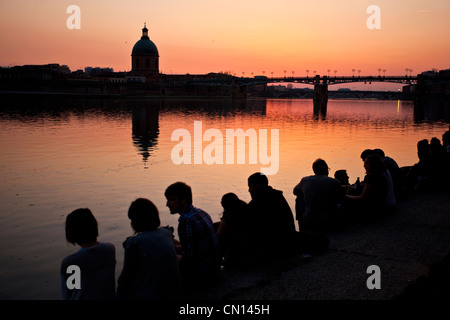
[
  {"x": 285, "y": 73},
  {"x": 307, "y": 71},
  {"x": 293, "y": 73},
  {"x": 271, "y": 73},
  {"x": 353, "y": 70},
  {"x": 379, "y": 70},
  {"x": 359, "y": 73},
  {"x": 410, "y": 70},
  {"x": 384, "y": 73},
  {"x": 406, "y": 69},
  {"x": 328, "y": 72},
  {"x": 335, "y": 71}
]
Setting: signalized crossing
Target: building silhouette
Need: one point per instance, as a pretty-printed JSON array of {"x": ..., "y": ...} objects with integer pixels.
[{"x": 145, "y": 57}]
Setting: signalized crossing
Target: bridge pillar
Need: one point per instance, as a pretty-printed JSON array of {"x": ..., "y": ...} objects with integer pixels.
[
  {"x": 238, "y": 91},
  {"x": 320, "y": 95}
]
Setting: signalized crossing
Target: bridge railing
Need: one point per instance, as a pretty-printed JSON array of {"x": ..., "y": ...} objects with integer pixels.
[{"x": 305, "y": 80}]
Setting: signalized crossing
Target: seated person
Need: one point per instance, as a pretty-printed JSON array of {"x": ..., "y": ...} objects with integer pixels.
[
  {"x": 233, "y": 232},
  {"x": 199, "y": 245},
  {"x": 317, "y": 199},
  {"x": 371, "y": 204},
  {"x": 394, "y": 171},
  {"x": 273, "y": 225},
  {"x": 446, "y": 141},
  {"x": 417, "y": 177},
  {"x": 439, "y": 166},
  {"x": 150, "y": 268},
  {"x": 96, "y": 260},
  {"x": 342, "y": 177},
  {"x": 391, "y": 199}
]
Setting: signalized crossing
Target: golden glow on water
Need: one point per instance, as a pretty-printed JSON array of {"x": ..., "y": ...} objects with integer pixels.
[{"x": 104, "y": 157}]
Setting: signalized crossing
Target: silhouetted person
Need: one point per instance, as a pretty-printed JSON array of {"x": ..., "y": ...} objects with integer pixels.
[
  {"x": 446, "y": 147},
  {"x": 446, "y": 140},
  {"x": 366, "y": 153},
  {"x": 234, "y": 232},
  {"x": 394, "y": 171},
  {"x": 200, "y": 252},
  {"x": 150, "y": 268},
  {"x": 417, "y": 178},
  {"x": 346, "y": 188},
  {"x": 96, "y": 260},
  {"x": 439, "y": 169},
  {"x": 391, "y": 200},
  {"x": 371, "y": 204},
  {"x": 342, "y": 176},
  {"x": 317, "y": 200},
  {"x": 273, "y": 225}
]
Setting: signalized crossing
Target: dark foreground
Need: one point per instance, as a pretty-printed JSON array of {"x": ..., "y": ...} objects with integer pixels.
[{"x": 411, "y": 247}]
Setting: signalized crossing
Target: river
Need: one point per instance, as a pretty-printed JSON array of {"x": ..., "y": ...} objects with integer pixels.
[{"x": 60, "y": 154}]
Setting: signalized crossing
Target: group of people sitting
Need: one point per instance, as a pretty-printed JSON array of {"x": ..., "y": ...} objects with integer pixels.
[
  {"x": 432, "y": 172},
  {"x": 159, "y": 266},
  {"x": 328, "y": 204}
]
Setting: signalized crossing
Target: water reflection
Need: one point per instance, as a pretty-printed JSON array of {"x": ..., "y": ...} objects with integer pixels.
[
  {"x": 145, "y": 129},
  {"x": 432, "y": 108},
  {"x": 59, "y": 154},
  {"x": 217, "y": 108}
]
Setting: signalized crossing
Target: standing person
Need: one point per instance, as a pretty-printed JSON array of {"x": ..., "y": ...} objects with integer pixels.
[
  {"x": 150, "y": 268},
  {"x": 199, "y": 245},
  {"x": 317, "y": 199},
  {"x": 273, "y": 225},
  {"x": 96, "y": 260}
]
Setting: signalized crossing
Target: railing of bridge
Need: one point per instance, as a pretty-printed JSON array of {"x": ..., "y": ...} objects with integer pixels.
[{"x": 239, "y": 81}]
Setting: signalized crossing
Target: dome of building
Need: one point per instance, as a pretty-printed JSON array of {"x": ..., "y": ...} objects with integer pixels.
[
  {"x": 145, "y": 56},
  {"x": 145, "y": 46}
]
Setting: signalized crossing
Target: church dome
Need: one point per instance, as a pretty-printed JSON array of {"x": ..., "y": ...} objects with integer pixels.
[{"x": 145, "y": 46}]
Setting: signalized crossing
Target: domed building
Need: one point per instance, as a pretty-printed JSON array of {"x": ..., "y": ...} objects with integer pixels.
[{"x": 145, "y": 56}]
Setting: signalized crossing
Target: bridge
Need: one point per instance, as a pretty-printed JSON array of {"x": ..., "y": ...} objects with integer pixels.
[
  {"x": 320, "y": 94},
  {"x": 316, "y": 80},
  {"x": 351, "y": 94}
]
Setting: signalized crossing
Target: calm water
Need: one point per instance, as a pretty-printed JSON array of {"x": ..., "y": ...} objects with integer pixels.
[{"x": 58, "y": 155}]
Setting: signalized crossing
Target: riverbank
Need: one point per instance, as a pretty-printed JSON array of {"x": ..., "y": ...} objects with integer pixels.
[{"x": 404, "y": 246}]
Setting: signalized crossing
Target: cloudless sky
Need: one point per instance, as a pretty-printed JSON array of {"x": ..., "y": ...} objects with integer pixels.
[{"x": 201, "y": 36}]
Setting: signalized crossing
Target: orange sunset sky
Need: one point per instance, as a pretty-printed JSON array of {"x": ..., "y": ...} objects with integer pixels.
[{"x": 201, "y": 36}]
